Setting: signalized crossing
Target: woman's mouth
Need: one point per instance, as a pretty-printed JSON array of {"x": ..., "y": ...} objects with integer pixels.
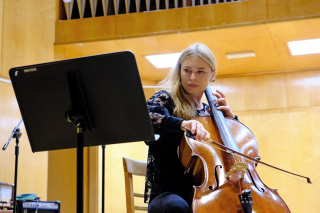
[{"x": 192, "y": 85}]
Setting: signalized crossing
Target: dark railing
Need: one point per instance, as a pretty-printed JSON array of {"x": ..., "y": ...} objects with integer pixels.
[{"x": 76, "y": 9}]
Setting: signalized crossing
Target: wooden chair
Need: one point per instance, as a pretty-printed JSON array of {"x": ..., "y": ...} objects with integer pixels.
[{"x": 138, "y": 168}]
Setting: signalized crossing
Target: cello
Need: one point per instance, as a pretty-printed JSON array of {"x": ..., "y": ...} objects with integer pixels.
[{"x": 224, "y": 168}]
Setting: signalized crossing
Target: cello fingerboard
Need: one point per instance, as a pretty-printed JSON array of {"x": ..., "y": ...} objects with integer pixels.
[{"x": 218, "y": 118}]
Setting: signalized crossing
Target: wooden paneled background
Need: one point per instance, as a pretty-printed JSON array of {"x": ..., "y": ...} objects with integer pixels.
[
  {"x": 26, "y": 37},
  {"x": 32, "y": 168},
  {"x": 283, "y": 112},
  {"x": 275, "y": 95}
]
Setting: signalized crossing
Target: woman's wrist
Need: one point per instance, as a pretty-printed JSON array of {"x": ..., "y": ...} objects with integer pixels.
[{"x": 182, "y": 127}]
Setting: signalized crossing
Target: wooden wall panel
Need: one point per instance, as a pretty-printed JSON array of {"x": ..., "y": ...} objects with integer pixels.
[
  {"x": 313, "y": 88},
  {"x": 287, "y": 136},
  {"x": 276, "y": 96},
  {"x": 26, "y": 37},
  {"x": 282, "y": 109},
  {"x": 27, "y": 34},
  {"x": 182, "y": 20},
  {"x": 272, "y": 91},
  {"x": 1, "y": 23},
  {"x": 283, "y": 112},
  {"x": 148, "y": 92},
  {"x": 32, "y": 167},
  {"x": 94, "y": 180},
  {"x": 62, "y": 179},
  {"x": 285, "y": 141},
  {"x": 268, "y": 42},
  {"x": 298, "y": 90}
]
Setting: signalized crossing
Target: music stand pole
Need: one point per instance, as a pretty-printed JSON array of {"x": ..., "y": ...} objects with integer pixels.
[
  {"x": 80, "y": 117},
  {"x": 80, "y": 146},
  {"x": 103, "y": 175},
  {"x": 15, "y": 134}
]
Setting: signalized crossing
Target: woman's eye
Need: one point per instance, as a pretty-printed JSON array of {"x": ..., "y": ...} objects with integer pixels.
[
  {"x": 200, "y": 72},
  {"x": 187, "y": 70}
]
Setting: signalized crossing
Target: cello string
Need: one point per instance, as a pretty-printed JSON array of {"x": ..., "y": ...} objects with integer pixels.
[
  {"x": 219, "y": 118},
  {"x": 188, "y": 130},
  {"x": 243, "y": 161},
  {"x": 223, "y": 132}
]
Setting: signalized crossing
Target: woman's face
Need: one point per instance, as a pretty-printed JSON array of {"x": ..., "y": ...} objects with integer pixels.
[{"x": 196, "y": 75}]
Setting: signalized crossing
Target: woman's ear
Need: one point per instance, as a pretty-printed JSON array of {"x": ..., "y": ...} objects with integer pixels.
[{"x": 213, "y": 78}]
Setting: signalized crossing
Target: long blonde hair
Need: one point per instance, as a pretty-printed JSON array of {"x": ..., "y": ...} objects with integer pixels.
[{"x": 185, "y": 107}]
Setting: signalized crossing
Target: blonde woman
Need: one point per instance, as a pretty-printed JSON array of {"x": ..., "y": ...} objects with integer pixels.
[{"x": 167, "y": 188}]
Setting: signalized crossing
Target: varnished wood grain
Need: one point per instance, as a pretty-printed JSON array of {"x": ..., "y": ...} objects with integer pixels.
[
  {"x": 181, "y": 19},
  {"x": 268, "y": 41},
  {"x": 1, "y": 23},
  {"x": 280, "y": 105},
  {"x": 32, "y": 167},
  {"x": 26, "y": 37},
  {"x": 27, "y": 33}
]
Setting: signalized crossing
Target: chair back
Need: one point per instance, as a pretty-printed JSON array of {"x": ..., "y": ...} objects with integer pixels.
[
  {"x": 133, "y": 167},
  {"x": 6, "y": 196}
]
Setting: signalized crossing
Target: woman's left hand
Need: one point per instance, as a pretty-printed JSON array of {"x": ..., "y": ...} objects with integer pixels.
[{"x": 223, "y": 105}]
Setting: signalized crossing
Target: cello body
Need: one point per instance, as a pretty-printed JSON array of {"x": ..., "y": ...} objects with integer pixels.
[{"x": 209, "y": 166}]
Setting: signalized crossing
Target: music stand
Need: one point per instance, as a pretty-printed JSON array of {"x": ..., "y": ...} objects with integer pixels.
[{"x": 102, "y": 94}]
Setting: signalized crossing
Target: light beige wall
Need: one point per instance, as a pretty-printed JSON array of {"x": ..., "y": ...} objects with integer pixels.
[
  {"x": 62, "y": 178},
  {"x": 28, "y": 33},
  {"x": 1, "y": 23},
  {"x": 32, "y": 167},
  {"x": 26, "y": 37},
  {"x": 148, "y": 92},
  {"x": 183, "y": 20}
]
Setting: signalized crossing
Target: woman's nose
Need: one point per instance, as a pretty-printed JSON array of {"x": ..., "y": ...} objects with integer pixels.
[{"x": 192, "y": 77}]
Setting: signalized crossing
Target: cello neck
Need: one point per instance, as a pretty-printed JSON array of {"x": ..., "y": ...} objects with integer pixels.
[{"x": 219, "y": 120}]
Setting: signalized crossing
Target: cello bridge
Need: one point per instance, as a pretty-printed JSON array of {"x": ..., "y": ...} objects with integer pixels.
[{"x": 237, "y": 166}]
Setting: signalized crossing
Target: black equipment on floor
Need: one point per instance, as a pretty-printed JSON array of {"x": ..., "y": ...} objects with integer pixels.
[{"x": 38, "y": 206}]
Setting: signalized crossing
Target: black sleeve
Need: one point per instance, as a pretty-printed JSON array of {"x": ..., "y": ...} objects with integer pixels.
[{"x": 160, "y": 107}]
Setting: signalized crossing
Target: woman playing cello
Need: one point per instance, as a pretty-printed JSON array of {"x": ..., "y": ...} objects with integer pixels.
[{"x": 167, "y": 188}]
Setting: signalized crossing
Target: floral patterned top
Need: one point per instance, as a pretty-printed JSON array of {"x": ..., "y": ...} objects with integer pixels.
[{"x": 164, "y": 170}]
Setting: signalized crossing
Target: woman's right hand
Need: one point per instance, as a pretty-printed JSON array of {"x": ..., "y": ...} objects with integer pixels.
[{"x": 201, "y": 134}]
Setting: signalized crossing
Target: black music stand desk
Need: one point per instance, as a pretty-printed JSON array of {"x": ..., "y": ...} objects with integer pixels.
[{"x": 100, "y": 94}]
